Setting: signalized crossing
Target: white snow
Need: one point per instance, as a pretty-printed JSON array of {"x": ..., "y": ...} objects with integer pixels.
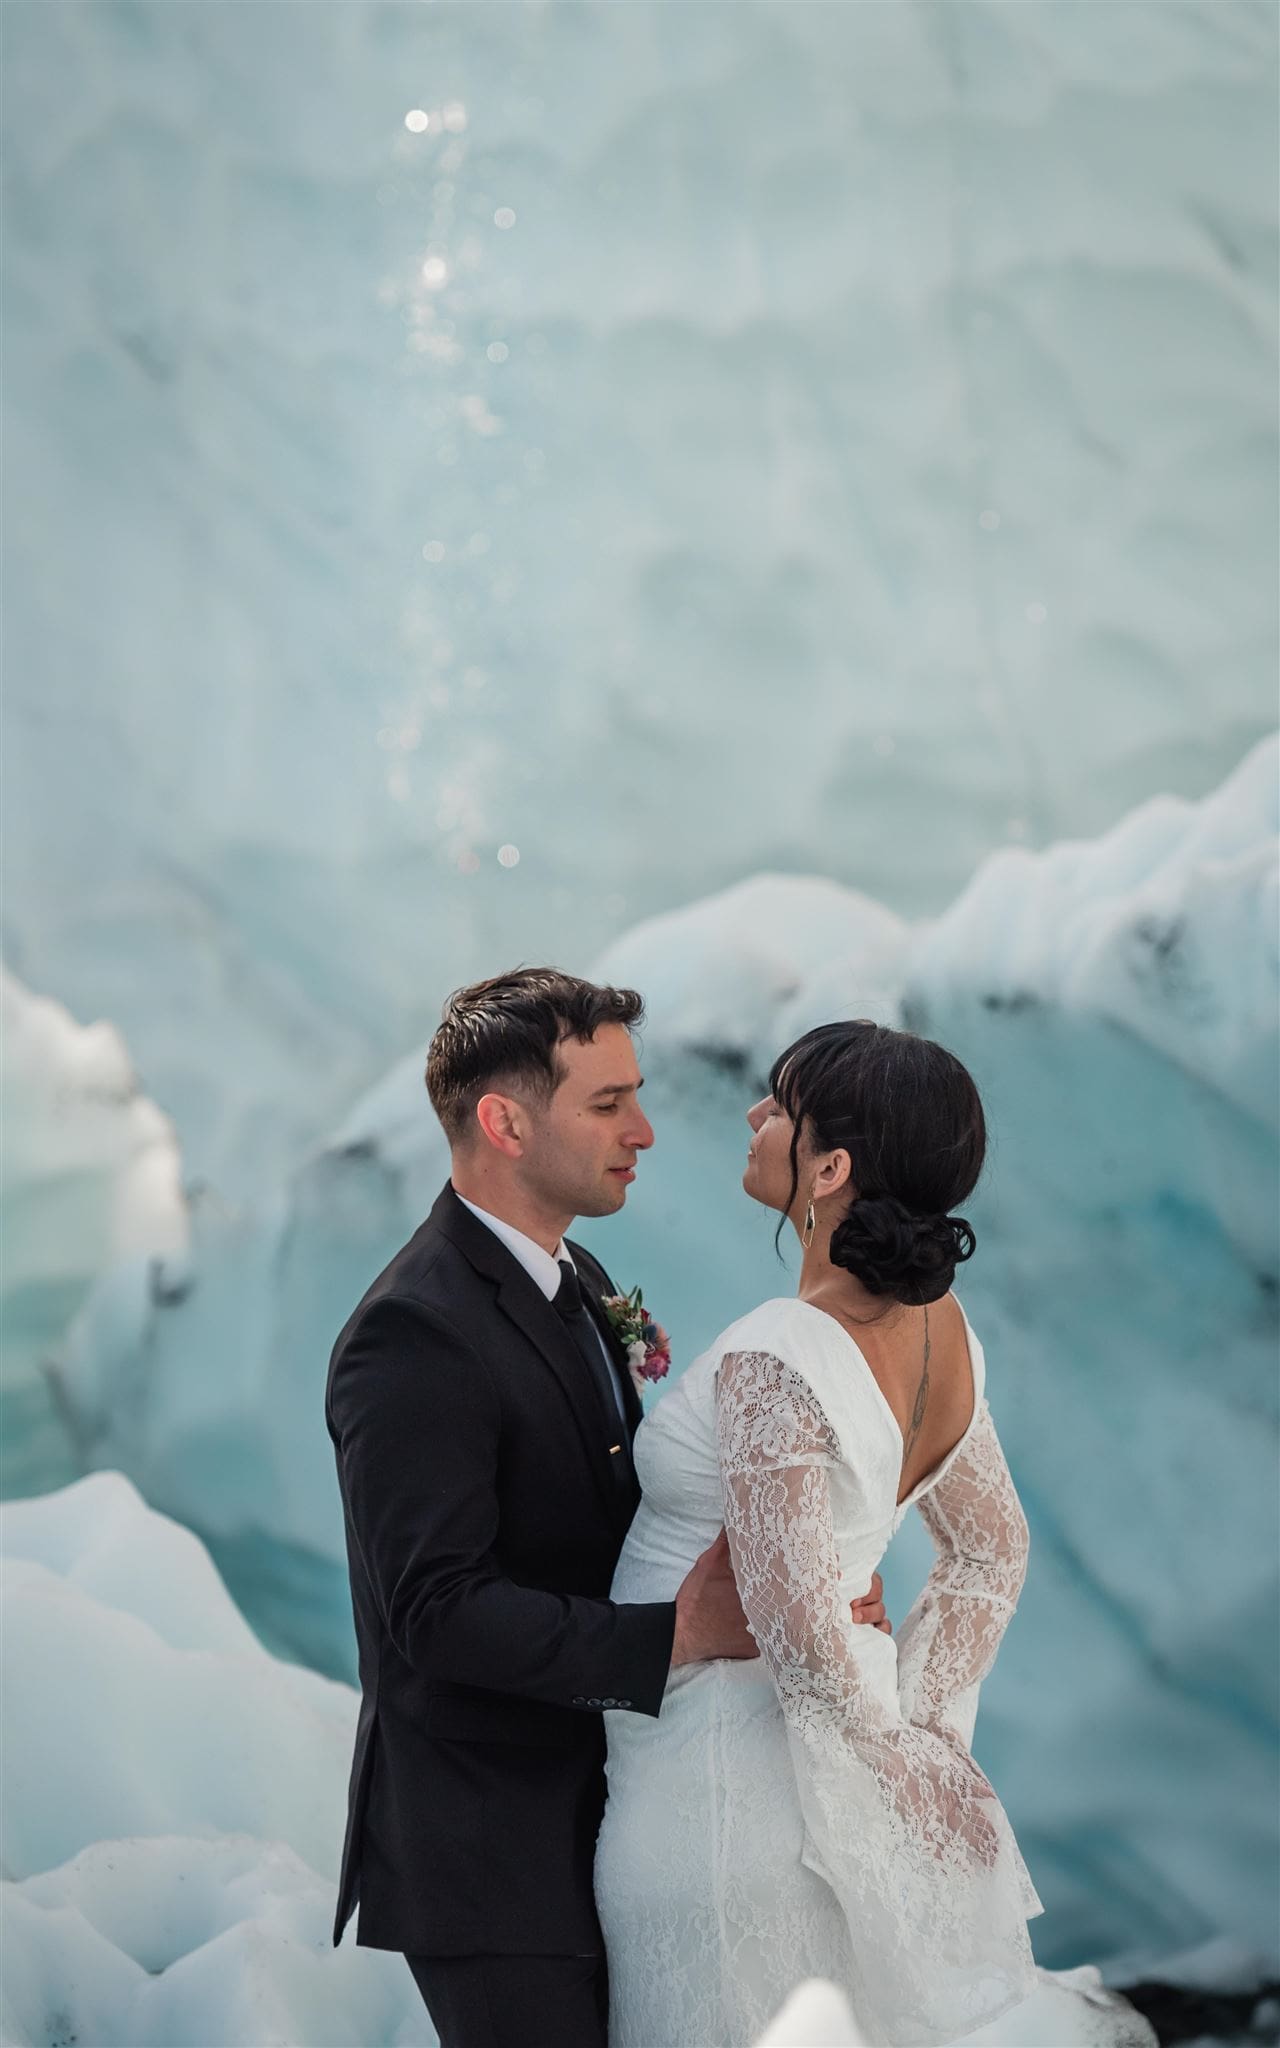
[
  {"x": 816, "y": 2015},
  {"x": 174, "y": 1804}
]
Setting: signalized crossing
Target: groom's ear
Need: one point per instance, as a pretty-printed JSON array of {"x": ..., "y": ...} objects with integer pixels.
[{"x": 502, "y": 1121}]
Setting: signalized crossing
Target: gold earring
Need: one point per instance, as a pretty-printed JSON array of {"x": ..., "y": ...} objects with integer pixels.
[{"x": 810, "y": 1223}]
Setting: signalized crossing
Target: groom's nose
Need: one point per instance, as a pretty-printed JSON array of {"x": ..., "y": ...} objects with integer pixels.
[{"x": 641, "y": 1133}]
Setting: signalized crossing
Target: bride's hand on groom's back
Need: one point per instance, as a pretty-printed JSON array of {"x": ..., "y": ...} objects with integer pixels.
[{"x": 710, "y": 1622}]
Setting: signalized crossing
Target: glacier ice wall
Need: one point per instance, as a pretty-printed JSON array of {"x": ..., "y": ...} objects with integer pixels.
[
  {"x": 171, "y": 1835},
  {"x": 719, "y": 438},
  {"x": 1116, "y": 1000},
  {"x": 90, "y": 1179}
]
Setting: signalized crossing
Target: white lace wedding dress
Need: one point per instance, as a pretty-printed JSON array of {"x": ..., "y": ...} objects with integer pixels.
[{"x": 816, "y": 1812}]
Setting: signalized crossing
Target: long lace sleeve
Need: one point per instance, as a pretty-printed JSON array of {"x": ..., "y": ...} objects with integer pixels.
[
  {"x": 948, "y": 1642},
  {"x": 899, "y": 1821}
]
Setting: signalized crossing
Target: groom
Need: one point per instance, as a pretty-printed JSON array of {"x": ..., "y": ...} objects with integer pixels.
[{"x": 482, "y": 1413}]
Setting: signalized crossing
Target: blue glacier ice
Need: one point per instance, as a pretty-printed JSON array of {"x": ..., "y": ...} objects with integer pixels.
[
  {"x": 840, "y": 438},
  {"x": 90, "y": 1176},
  {"x": 1117, "y": 1002}
]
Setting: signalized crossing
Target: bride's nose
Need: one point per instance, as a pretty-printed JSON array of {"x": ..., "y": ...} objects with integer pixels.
[{"x": 755, "y": 1115}]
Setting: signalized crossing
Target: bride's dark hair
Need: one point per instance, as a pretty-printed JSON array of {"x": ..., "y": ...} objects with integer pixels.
[{"x": 910, "y": 1118}]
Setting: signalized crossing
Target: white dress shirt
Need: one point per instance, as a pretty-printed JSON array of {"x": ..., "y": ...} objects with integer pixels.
[{"x": 543, "y": 1268}]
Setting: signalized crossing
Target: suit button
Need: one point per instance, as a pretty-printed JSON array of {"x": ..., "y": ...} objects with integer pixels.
[
  {"x": 578, "y": 1701},
  {"x": 622, "y": 1703},
  {"x": 608, "y": 1703},
  {"x": 595, "y": 1703}
]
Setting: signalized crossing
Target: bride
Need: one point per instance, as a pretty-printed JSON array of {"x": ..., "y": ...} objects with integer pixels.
[{"x": 816, "y": 1812}]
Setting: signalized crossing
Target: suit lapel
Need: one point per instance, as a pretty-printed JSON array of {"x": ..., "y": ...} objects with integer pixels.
[{"x": 524, "y": 1303}]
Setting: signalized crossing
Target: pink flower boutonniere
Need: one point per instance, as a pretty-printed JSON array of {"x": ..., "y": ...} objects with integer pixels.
[{"x": 646, "y": 1343}]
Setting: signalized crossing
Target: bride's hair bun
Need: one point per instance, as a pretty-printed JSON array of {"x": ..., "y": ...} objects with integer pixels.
[{"x": 893, "y": 1251}]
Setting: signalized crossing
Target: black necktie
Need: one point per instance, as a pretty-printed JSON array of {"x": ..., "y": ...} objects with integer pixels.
[{"x": 570, "y": 1307}]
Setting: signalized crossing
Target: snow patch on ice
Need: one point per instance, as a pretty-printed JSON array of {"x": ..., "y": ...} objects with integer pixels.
[{"x": 174, "y": 1803}]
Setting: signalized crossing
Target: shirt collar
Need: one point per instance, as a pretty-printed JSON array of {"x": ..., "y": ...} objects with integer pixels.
[{"x": 543, "y": 1267}]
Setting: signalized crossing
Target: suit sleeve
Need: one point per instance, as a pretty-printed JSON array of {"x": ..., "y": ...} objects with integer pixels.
[{"x": 415, "y": 1422}]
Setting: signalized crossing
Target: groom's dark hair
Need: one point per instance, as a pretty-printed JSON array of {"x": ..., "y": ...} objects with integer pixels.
[{"x": 507, "y": 1032}]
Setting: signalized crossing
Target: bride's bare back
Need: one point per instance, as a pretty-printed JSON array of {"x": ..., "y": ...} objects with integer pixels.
[{"x": 895, "y": 1353}]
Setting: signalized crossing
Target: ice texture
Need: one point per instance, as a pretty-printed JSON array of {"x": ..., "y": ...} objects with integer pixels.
[
  {"x": 90, "y": 1180},
  {"x": 1116, "y": 1001},
  {"x": 841, "y": 438},
  {"x": 174, "y": 1804}
]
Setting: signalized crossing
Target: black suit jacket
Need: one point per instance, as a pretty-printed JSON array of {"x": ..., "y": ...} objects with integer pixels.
[{"x": 485, "y": 1508}]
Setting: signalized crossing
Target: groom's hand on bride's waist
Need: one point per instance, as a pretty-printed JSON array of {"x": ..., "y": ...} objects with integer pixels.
[
  {"x": 709, "y": 1618},
  {"x": 710, "y": 1622},
  {"x": 870, "y": 1609}
]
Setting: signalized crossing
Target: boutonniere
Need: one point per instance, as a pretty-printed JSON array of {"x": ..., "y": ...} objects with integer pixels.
[{"x": 645, "y": 1342}]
